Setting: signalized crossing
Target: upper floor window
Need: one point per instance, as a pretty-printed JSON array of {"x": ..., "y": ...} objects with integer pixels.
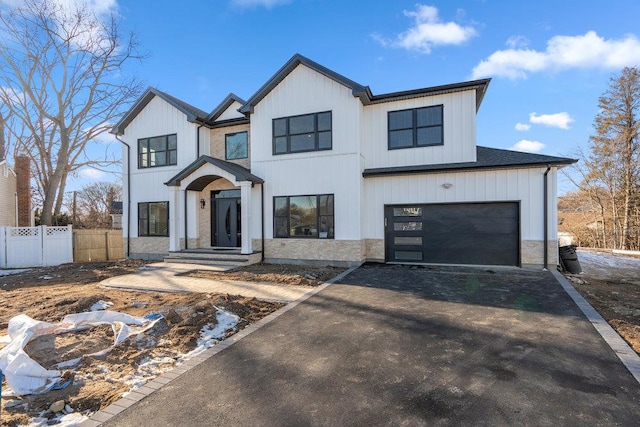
[
  {"x": 309, "y": 132},
  {"x": 303, "y": 216},
  {"x": 153, "y": 219},
  {"x": 236, "y": 145},
  {"x": 418, "y": 127},
  {"x": 158, "y": 151}
]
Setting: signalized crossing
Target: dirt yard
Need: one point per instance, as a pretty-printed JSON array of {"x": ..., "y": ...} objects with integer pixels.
[
  {"x": 48, "y": 294},
  {"x": 611, "y": 284}
]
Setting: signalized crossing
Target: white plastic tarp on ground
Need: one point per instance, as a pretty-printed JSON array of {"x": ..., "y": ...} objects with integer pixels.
[{"x": 25, "y": 376}]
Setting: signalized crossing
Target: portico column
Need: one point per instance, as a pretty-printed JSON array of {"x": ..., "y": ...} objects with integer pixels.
[
  {"x": 245, "y": 216},
  {"x": 174, "y": 218}
]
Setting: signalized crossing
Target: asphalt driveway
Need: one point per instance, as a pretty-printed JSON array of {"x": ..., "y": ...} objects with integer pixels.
[{"x": 399, "y": 345}]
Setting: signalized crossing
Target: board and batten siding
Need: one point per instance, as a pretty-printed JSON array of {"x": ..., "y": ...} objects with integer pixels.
[
  {"x": 147, "y": 185},
  {"x": 459, "y": 121},
  {"x": 7, "y": 196},
  {"x": 336, "y": 171},
  {"x": 231, "y": 112},
  {"x": 517, "y": 185}
]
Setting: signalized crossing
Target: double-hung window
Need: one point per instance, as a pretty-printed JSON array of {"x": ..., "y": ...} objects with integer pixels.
[
  {"x": 303, "y": 216},
  {"x": 296, "y": 134},
  {"x": 157, "y": 151},
  {"x": 418, "y": 127},
  {"x": 153, "y": 219}
]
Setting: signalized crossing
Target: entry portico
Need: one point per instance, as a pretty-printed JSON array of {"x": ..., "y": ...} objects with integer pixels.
[{"x": 197, "y": 176}]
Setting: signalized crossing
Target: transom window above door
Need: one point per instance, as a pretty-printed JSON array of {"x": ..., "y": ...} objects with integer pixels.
[{"x": 297, "y": 134}]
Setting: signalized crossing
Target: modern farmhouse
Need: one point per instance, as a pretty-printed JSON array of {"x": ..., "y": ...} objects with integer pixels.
[{"x": 315, "y": 168}]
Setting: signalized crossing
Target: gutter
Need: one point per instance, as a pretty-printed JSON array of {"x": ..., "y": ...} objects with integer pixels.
[
  {"x": 545, "y": 204},
  {"x": 128, "y": 195}
]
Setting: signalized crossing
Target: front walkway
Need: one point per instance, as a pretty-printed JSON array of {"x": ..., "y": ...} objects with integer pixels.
[{"x": 165, "y": 277}]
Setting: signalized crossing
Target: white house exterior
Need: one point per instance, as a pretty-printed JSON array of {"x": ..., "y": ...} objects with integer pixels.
[{"x": 314, "y": 168}]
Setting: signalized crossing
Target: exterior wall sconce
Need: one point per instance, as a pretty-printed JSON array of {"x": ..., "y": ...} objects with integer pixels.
[
  {"x": 447, "y": 185},
  {"x": 202, "y": 203}
]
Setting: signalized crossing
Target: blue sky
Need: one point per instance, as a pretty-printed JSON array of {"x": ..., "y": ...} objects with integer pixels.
[{"x": 549, "y": 60}]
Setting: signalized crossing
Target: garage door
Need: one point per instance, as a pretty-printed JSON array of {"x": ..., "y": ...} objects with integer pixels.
[{"x": 461, "y": 233}]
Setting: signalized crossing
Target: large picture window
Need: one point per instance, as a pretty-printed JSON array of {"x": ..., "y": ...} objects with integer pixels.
[
  {"x": 236, "y": 146},
  {"x": 303, "y": 217},
  {"x": 418, "y": 127},
  {"x": 309, "y": 132},
  {"x": 153, "y": 219},
  {"x": 157, "y": 151}
]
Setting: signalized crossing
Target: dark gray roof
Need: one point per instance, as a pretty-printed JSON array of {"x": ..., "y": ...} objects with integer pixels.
[
  {"x": 240, "y": 173},
  {"x": 487, "y": 158},
  {"x": 480, "y": 86},
  {"x": 358, "y": 90},
  {"x": 193, "y": 114},
  {"x": 222, "y": 107}
]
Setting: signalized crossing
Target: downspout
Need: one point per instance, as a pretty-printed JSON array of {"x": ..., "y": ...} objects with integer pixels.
[
  {"x": 545, "y": 204},
  {"x": 128, "y": 195},
  {"x": 198, "y": 142},
  {"x": 16, "y": 213},
  {"x": 262, "y": 217}
]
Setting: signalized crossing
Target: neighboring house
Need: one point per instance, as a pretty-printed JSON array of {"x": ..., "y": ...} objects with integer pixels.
[
  {"x": 15, "y": 193},
  {"x": 8, "y": 195},
  {"x": 115, "y": 212},
  {"x": 314, "y": 168}
]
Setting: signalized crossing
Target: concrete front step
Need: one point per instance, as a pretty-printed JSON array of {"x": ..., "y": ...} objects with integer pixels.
[{"x": 215, "y": 258}]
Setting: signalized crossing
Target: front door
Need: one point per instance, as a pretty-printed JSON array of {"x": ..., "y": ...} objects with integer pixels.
[{"x": 225, "y": 218}]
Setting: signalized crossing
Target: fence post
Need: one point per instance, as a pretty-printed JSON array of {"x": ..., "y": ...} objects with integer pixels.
[
  {"x": 106, "y": 243},
  {"x": 3, "y": 248}
]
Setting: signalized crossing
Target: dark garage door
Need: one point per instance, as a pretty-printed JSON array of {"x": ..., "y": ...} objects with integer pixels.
[{"x": 461, "y": 233}]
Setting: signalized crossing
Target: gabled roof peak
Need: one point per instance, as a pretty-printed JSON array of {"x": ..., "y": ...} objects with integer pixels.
[
  {"x": 224, "y": 105},
  {"x": 193, "y": 114},
  {"x": 360, "y": 91}
]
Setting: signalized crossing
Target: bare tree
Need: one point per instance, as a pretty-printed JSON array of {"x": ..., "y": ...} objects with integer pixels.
[
  {"x": 63, "y": 78},
  {"x": 94, "y": 203}
]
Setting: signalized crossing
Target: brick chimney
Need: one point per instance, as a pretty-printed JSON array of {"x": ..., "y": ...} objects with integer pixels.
[{"x": 23, "y": 178}]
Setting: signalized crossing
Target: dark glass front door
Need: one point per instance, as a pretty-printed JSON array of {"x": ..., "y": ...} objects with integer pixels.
[{"x": 226, "y": 219}]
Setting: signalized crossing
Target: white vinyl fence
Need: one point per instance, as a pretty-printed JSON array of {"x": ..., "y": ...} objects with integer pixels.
[{"x": 22, "y": 247}]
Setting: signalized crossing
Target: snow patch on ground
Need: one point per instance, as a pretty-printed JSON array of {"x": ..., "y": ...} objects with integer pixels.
[
  {"x": 100, "y": 305},
  {"x": 599, "y": 265},
  {"x": 13, "y": 271}
]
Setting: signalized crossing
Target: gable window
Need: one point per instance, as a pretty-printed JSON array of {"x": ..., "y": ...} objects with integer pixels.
[
  {"x": 153, "y": 219},
  {"x": 236, "y": 146},
  {"x": 303, "y": 216},
  {"x": 157, "y": 151},
  {"x": 418, "y": 127},
  {"x": 296, "y": 134}
]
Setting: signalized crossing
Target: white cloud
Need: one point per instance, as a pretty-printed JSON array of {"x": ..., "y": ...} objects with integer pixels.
[
  {"x": 515, "y": 42},
  {"x": 522, "y": 127},
  {"x": 562, "y": 52},
  {"x": 529, "y": 146},
  {"x": 428, "y": 31},
  {"x": 90, "y": 174},
  {"x": 256, "y": 3},
  {"x": 558, "y": 120}
]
